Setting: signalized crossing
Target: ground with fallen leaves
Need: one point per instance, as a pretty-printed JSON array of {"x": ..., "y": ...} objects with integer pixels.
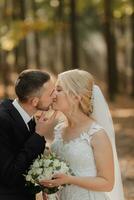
[{"x": 123, "y": 117}]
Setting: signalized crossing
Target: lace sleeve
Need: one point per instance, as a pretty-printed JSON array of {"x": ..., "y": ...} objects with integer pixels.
[{"x": 94, "y": 129}]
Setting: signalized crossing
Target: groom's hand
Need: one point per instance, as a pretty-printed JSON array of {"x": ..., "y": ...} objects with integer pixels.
[{"x": 46, "y": 126}]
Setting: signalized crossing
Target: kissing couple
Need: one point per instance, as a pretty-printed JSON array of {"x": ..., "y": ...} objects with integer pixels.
[{"x": 86, "y": 141}]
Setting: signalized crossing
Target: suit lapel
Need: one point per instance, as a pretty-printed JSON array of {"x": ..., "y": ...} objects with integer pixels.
[{"x": 19, "y": 122}]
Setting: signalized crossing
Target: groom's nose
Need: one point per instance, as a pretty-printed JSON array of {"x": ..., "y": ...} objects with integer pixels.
[{"x": 54, "y": 94}]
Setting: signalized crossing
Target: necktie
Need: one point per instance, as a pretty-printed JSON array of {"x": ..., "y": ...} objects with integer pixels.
[{"x": 31, "y": 125}]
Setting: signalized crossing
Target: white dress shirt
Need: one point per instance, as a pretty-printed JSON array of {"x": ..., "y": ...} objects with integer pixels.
[{"x": 22, "y": 112}]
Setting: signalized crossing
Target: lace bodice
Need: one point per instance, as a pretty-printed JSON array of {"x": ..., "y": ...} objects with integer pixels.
[{"x": 78, "y": 154}]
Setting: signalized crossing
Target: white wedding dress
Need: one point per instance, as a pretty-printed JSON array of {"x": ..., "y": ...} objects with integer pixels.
[{"x": 78, "y": 154}]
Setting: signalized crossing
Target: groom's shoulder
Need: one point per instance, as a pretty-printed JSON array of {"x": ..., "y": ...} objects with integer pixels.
[{"x": 4, "y": 112}]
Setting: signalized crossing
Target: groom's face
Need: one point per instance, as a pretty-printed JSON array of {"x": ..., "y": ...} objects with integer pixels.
[{"x": 45, "y": 100}]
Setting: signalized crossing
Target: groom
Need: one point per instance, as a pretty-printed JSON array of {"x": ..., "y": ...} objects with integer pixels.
[{"x": 20, "y": 141}]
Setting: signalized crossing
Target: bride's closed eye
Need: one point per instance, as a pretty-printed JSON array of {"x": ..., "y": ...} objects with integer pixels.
[{"x": 58, "y": 89}]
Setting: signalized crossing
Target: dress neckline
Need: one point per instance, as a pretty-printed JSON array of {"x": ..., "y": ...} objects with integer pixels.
[{"x": 78, "y": 137}]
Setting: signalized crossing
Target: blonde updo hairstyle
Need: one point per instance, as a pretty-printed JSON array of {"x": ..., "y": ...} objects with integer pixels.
[{"x": 79, "y": 83}]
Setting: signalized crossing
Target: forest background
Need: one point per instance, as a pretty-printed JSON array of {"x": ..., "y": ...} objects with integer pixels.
[{"x": 94, "y": 35}]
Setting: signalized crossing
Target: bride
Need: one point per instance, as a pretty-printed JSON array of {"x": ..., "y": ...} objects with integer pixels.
[{"x": 86, "y": 140}]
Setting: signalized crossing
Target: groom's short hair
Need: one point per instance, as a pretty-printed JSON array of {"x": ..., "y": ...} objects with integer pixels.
[{"x": 30, "y": 82}]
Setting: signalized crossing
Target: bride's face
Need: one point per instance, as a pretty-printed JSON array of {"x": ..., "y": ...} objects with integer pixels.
[{"x": 60, "y": 100}]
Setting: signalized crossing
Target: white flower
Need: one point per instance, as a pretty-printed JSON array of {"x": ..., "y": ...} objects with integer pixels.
[
  {"x": 36, "y": 164},
  {"x": 46, "y": 163},
  {"x": 56, "y": 163},
  {"x": 48, "y": 173},
  {"x": 28, "y": 178},
  {"x": 41, "y": 161},
  {"x": 38, "y": 171},
  {"x": 34, "y": 171},
  {"x": 41, "y": 177},
  {"x": 30, "y": 172},
  {"x": 33, "y": 181},
  {"x": 44, "y": 167}
]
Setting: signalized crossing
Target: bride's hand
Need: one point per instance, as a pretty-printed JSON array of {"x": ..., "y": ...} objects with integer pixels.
[{"x": 58, "y": 179}]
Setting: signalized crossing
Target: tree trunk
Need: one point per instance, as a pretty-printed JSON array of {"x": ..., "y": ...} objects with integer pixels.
[
  {"x": 112, "y": 73},
  {"x": 132, "y": 60},
  {"x": 15, "y": 16},
  {"x": 5, "y": 73},
  {"x": 62, "y": 32},
  {"x": 24, "y": 41},
  {"x": 36, "y": 39},
  {"x": 5, "y": 70},
  {"x": 74, "y": 38},
  {"x": 21, "y": 53}
]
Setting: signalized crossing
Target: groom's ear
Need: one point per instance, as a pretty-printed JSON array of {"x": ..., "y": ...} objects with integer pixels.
[{"x": 34, "y": 101}]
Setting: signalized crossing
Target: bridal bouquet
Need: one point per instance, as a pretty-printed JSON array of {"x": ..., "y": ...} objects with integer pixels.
[{"x": 44, "y": 167}]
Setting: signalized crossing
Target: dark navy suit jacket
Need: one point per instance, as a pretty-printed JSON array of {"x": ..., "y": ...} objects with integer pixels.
[{"x": 18, "y": 148}]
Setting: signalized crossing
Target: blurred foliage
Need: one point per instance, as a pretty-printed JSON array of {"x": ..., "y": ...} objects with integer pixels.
[
  {"x": 19, "y": 30},
  {"x": 49, "y": 23},
  {"x": 90, "y": 16}
]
